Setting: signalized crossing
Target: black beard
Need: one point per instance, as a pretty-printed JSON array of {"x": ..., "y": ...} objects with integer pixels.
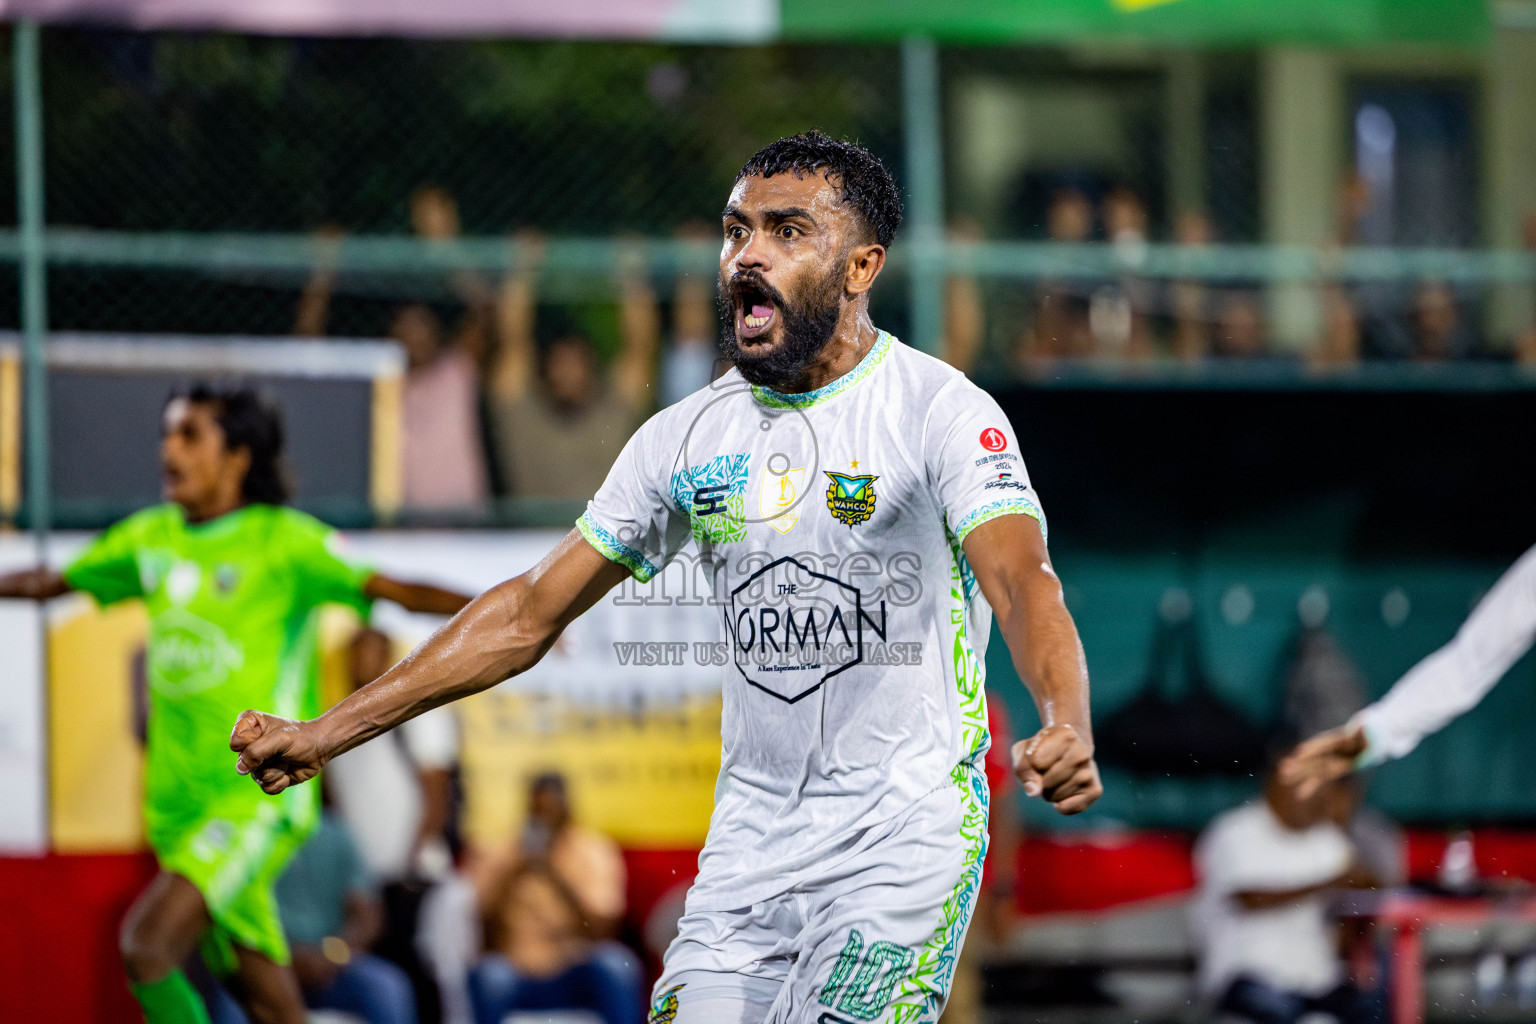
[{"x": 806, "y": 329}]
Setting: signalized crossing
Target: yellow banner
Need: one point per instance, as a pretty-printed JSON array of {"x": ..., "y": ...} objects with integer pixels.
[{"x": 646, "y": 777}]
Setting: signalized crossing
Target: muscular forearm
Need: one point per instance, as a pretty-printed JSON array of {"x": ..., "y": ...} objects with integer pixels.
[
  {"x": 1014, "y": 573},
  {"x": 494, "y": 637},
  {"x": 1048, "y": 655},
  {"x": 33, "y": 584},
  {"x": 501, "y": 633}
]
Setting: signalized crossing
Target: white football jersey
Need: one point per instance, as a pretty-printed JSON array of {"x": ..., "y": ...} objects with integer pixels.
[{"x": 829, "y": 529}]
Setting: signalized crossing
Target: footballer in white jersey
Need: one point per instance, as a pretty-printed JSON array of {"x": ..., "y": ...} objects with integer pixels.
[{"x": 859, "y": 512}]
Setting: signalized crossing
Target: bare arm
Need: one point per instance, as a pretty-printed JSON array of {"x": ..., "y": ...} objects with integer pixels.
[
  {"x": 1014, "y": 571},
  {"x": 315, "y": 300},
  {"x": 415, "y": 597},
  {"x": 501, "y": 633},
  {"x": 964, "y": 313},
  {"x": 640, "y": 327},
  {"x": 1263, "y": 899},
  {"x": 964, "y": 322},
  {"x": 1355, "y": 877},
  {"x": 34, "y": 584},
  {"x": 516, "y": 309}
]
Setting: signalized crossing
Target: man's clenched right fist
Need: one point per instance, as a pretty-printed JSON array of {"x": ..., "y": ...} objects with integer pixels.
[{"x": 276, "y": 752}]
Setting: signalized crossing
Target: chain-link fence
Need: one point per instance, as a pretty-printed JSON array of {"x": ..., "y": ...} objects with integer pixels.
[{"x": 1102, "y": 208}]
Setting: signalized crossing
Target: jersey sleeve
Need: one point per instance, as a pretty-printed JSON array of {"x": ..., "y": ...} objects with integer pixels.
[
  {"x": 974, "y": 461},
  {"x": 1452, "y": 680},
  {"x": 324, "y": 564},
  {"x": 108, "y": 569},
  {"x": 632, "y": 519}
]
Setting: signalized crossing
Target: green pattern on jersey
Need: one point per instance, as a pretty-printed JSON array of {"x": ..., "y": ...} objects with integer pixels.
[
  {"x": 925, "y": 988},
  {"x": 233, "y": 624}
]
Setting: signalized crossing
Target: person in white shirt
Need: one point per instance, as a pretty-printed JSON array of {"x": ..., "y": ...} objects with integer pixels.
[
  {"x": 396, "y": 800},
  {"x": 1268, "y": 946},
  {"x": 1443, "y": 686},
  {"x": 858, "y": 509},
  {"x": 397, "y": 797}
]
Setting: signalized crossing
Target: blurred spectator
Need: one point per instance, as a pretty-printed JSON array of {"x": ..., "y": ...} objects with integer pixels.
[
  {"x": 332, "y": 915},
  {"x": 1436, "y": 331},
  {"x": 688, "y": 363},
  {"x": 1190, "y": 299},
  {"x": 964, "y": 313},
  {"x": 586, "y": 862},
  {"x": 396, "y": 797},
  {"x": 1340, "y": 343},
  {"x": 1239, "y": 332},
  {"x": 1324, "y": 688},
  {"x": 434, "y": 213},
  {"x": 553, "y": 902},
  {"x": 449, "y": 940},
  {"x": 444, "y": 465},
  {"x": 443, "y": 447},
  {"x": 1061, "y": 327},
  {"x": 315, "y": 300},
  {"x": 1269, "y": 948},
  {"x": 1119, "y": 313},
  {"x": 558, "y": 423},
  {"x": 540, "y": 959},
  {"x": 1525, "y": 345},
  {"x": 1351, "y": 206}
]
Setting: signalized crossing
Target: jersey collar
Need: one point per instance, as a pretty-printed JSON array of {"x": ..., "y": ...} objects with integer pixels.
[
  {"x": 866, "y": 366},
  {"x": 216, "y": 526}
]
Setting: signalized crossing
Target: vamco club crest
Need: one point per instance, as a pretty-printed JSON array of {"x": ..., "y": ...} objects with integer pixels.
[{"x": 851, "y": 499}]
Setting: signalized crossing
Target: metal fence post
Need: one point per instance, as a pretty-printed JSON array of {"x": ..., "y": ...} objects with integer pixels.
[
  {"x": 34, "y": 269},
  {"x": 924, "y": 137}
]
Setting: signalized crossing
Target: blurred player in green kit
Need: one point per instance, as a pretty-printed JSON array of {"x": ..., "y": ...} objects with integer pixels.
[{"x": 232, "y": 581}]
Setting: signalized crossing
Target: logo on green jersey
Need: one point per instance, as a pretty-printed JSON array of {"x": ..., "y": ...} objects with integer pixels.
[
  {"x": 188, "y": 654},
  {"x": 851, "y": 499}
]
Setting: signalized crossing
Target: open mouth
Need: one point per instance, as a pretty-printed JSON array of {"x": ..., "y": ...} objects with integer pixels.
[{"x": 755, "y": 311}]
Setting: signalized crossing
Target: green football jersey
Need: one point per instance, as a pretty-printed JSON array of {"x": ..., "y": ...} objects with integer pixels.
[{"x": 233, "y": 624}]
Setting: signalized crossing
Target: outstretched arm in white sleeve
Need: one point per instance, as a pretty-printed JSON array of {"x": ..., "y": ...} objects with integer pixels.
[{"x": 1443, "y": 686}]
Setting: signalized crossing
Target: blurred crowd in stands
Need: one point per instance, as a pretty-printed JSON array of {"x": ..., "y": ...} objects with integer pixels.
[
  {"x": 1188, "y": 321},
  {"x": 509, "y": 395},
  {"x": 498, "y": 402}
]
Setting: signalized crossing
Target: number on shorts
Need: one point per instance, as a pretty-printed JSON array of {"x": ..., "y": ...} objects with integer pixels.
[{"x": 873, "y": 977}]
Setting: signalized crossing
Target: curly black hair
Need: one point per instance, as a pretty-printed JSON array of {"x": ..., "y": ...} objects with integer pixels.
[
  {"x": 860, "y": 178},
  {"x": 252, "y": 421}
]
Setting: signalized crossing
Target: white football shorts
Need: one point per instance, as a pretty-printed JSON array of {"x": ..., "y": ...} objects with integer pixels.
[{"x": 872, "y": 937}]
